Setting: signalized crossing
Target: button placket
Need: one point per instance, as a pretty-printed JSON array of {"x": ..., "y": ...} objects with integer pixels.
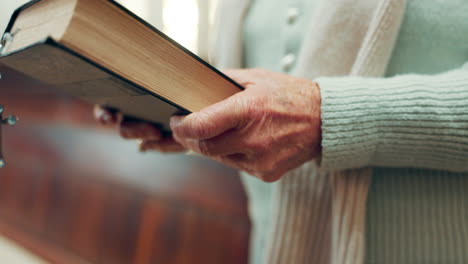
[
  {"x": 288, "y": 61},
  {"x": 293, "y": 15}
]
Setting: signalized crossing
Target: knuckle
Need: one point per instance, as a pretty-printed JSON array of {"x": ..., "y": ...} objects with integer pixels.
[
  {"x": 265, "y": 166},
  {"x": 270, "y": 168},
  {"x": 256, "y": 107},
  {"x": 270, "y": 176},
  {"x": 258, "y": 146},
  {"x": 265, "y": 177},
  {"x": 259, "y": 167},
  {"x": 199, "y": 127},
  {"x": 203, "y": 147}
]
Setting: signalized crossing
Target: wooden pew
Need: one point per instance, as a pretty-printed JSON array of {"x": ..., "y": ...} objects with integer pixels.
[{"x": 74, "y": 192}]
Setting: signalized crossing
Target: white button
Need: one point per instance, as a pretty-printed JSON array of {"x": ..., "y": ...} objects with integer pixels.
[
  {"x": 293, "y": 14},
  {"x": 288, "y": 61}
]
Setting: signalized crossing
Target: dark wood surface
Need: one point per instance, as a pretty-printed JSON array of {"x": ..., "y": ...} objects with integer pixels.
[{"x": 74, "y": 192}]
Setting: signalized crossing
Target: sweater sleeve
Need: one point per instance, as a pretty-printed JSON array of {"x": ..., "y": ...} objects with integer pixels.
[{"x": 413, "y": 121}]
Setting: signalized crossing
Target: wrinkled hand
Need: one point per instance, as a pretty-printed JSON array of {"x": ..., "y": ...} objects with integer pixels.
[
  {"x": 271, "y": 127},
  {"x": 149, "y": 135}
]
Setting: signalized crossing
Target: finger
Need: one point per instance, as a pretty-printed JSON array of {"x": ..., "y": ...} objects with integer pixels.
[
  {"x": 225, "y": 144},
  {"x": 228, "y": 162},
  {"x": 240, "y": 161},
  {"x": 130, "y": 129},
  {"x": 238, "y": 76},
  {"x": 243, "y": 163},
  {"x": 208, "y": 123},
  {"x": 237, "y": 161},
  {"x": 248, "y": 164},
  {"x": 105, "y": 116},
  {"x": 244, "y": 77},
  {"x": 267, "y": 176},
  {"x": 165, "y": 145}
]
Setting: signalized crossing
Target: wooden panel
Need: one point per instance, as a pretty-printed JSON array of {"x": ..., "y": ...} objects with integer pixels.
[
  {"x": 89, "y": 221},
  {"x": 155, "y": 214},
  {"x": 76, "y": 193}
]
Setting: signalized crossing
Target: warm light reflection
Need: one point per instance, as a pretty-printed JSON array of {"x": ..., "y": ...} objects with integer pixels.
[
  {"x": 180, "y": 18},
  {"x": 139, "y": 7},
  {"x": 181, "y": 21}
]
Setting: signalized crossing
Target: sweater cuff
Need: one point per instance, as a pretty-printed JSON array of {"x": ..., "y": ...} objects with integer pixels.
[
  {"x": 346, "y": 122},
  {"x": 405, "y": 121}
]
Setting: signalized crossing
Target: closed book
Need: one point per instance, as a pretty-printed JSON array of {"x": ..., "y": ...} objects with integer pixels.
[{"x": 100, "y": 52}]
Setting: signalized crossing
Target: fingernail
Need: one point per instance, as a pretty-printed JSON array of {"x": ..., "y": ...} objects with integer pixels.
[
  {"x": 106, "y": 118},
  {"x": 141, "y": 146},
  {"x": 175, "y": 121},
  {"x": 100, "y": 115}
]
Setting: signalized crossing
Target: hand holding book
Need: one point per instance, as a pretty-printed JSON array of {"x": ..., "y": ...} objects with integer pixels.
[
  {"x": 102, "y": 53},
  {"x": 150, "y": 136},
  {"x": 271, "y": 127}
]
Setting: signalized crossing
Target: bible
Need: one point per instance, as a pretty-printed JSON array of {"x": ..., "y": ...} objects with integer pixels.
[{"x": 100, "y": 52}]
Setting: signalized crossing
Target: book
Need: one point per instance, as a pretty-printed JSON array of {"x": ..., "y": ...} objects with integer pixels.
[{"x": 99, "y": 51}]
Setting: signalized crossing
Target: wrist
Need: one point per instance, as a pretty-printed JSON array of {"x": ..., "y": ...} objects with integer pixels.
[
  {"x": 318, "y": 115},
  {"x": 314, "y": 100}
]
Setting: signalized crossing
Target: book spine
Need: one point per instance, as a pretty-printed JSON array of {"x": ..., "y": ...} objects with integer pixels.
[
  {"x": 17, "y": 12},
  {"x": 4, "y": 41}
]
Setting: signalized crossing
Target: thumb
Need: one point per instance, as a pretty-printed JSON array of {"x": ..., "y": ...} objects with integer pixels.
[
  {"x": 209, "y": 122},
  {"x": 244, "y": 77}
]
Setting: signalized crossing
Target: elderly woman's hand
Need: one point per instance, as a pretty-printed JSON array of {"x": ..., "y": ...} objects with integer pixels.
[
  {"x": 271, "y": 127},
  {"x": 150, "y": 137}
]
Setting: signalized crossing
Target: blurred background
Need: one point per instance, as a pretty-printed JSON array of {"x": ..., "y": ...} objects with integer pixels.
[
  {"x": 186, "y": 21},
  {"x": 74, "y": 192}
]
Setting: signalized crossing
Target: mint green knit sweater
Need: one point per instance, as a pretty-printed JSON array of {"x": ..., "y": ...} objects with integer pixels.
[{"x": 412, "y": 127}]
